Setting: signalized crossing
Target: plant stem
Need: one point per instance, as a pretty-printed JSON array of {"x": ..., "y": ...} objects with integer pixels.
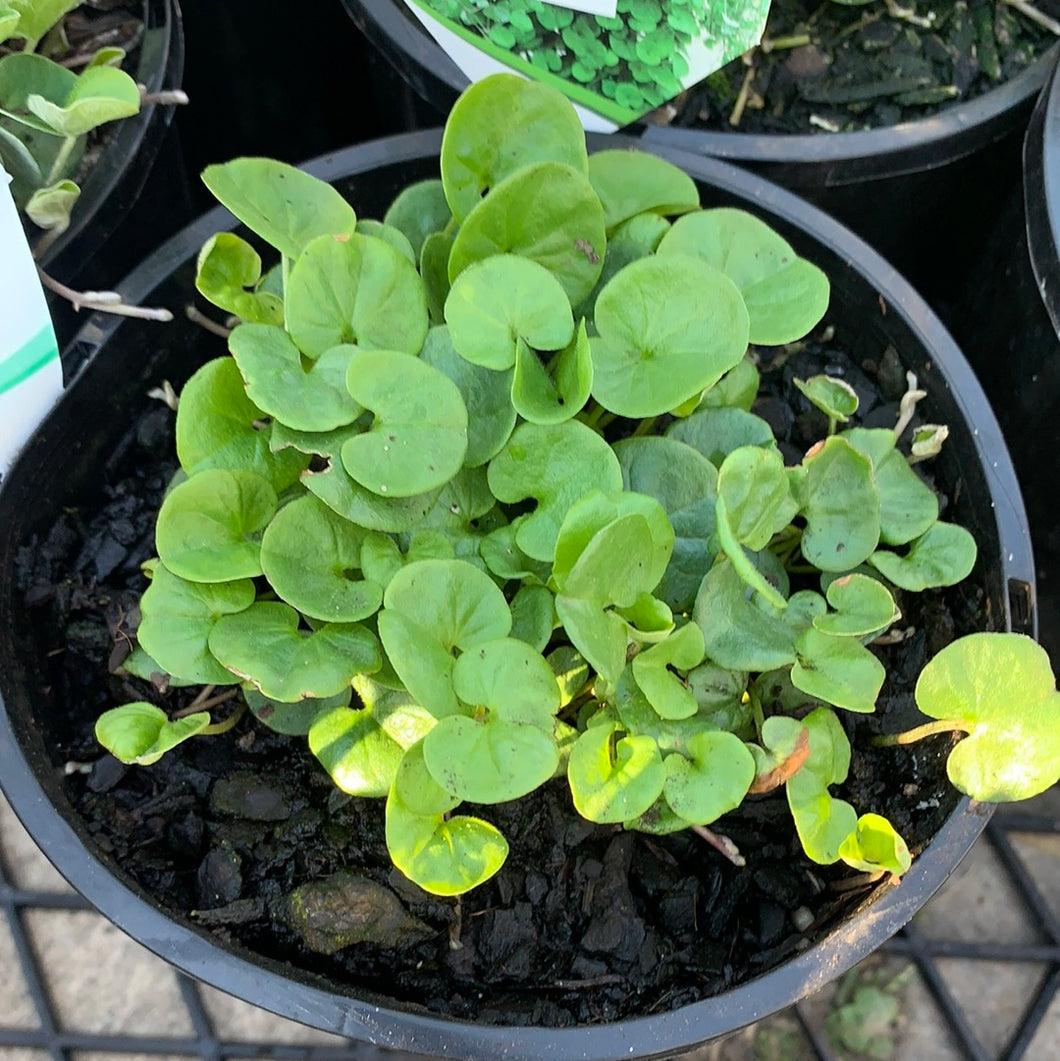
[
  {"x": 1028, "y": 10},
  {"x": 196, "y": 316},
  {"x": 165, "y": 98},
  {"x": 721, "y": 844},
  {"x": 61, "y": 159},
  {"x": 776, "y": 44},
  {"x": 645, "y": 427},
  {"x": 103, "y": 301},
  {"x": 908, "y": 404},
  {"x": 742, "y": 97},
  {"x": 929, "y": 729},
  {"x": 226, "y": 725}
]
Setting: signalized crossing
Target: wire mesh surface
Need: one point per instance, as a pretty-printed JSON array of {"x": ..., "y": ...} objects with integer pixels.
[{"x": 980, "y": 969}]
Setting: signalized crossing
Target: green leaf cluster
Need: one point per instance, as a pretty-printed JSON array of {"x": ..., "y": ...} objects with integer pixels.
[
  {"x": 477, "y": 501},
  {"x": 636, "y": 60},
  {"x": 46, "y": 110}
]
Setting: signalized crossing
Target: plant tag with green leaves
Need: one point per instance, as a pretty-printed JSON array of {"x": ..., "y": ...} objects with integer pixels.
[{"x": 615, "y": 61}]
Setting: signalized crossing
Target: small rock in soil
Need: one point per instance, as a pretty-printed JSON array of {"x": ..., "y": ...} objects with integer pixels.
[
  {"x": 220, "y": 877},
  {"x": 246, "y": 796},
  {"x": 614, "y": 928},
  {"x": 345, "y": 909}
]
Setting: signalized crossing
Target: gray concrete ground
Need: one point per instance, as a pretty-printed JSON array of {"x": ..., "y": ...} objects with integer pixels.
[{"x": 102, "y": 982}]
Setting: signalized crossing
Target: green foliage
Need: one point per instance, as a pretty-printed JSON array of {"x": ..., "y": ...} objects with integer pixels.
[
  {"x": 532, "y": 551},
  {"x": 46, "y": 110}
]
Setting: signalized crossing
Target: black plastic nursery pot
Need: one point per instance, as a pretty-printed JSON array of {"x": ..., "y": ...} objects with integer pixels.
[
  {"x": 1008, "y": 322},
  {"x": 137, "y": 192},
  {"x": 113, "y": 364},
  {"x": 910, "y": 189}
]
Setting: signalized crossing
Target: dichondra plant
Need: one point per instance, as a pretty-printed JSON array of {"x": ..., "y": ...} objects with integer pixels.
[{"x": 478, "y": 500}]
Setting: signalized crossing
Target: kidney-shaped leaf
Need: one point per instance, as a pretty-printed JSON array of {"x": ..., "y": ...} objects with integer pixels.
[
  {"x": 264, "y": 646},
  {"x": 176, "y": 617},
  {"x": 612, "y": 778},
  {"x": 309, "y": 554},
  {"x": 209, "y": 527},
  {"x": 712, "y": 780},
  {"x": 837, "y": 670},
  {"x": 862, "y": 606},
  {"x": 227, "y": 273},
  {"x": 141, "y": 733},
  {"x": 942, "y": 556},
  {"x": 552, "y": 393},
  {"x": 785, "y": 295},
  {"x": 356, "y": 290},
  {"x": 419, "y": 211},
  {"x": 668, "y": 693},
  {"x": 418, "y": 439},
  {"x": 838, "y": 497},
  {"x": 633, "y": 182},
  {"x": 875, "y": 845},
  {"x": 546, "y": 212},
  {"x": 309, "y": 397},
  {"x": 668, "y": 329},
  {"x": 285, "y": 206},
  {"x": 1000, "y": 689},
  {"x": 499, "y": 125},
  {"x": 98, "y": 95},
  {"x": 555, "y": 465},
  {"x": 496, "y": 302}
]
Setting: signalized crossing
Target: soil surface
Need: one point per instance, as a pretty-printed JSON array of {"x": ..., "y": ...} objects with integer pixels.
[
  {"x": 827, "y": 66},
  {"x": 245, "y": 834}
]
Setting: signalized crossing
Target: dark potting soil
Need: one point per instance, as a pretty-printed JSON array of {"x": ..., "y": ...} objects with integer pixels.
[
  {"x": 833, "y": 67},
  {"x": 245, "y": 834}
]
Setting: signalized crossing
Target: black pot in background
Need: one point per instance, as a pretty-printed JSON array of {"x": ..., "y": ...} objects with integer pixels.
[
  {"x": 907, "y": 189},
  {"x": 1008, "y": 322},
  {"x": 137, "y": 193},
  {"x": 267, "y": 77},
  {"x": 67, "y": 461}
]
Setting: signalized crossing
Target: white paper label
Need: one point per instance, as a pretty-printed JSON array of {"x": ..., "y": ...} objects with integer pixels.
[
  {"x": 31, "y": 377},
  {"x": 609, "y": 8}
]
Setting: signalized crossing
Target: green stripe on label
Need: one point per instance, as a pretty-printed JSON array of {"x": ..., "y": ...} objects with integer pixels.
[{"x": 28, "y": 358}]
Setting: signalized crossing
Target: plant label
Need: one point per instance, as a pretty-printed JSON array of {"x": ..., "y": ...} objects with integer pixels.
[
  {"x": 615, "y": 60},
  {"x": 31, "y": 377}
]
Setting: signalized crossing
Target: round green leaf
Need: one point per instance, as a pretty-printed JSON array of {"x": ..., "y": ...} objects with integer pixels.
[
  {"x": 432, "y": 607},
  {"x": 942, "y": 556},
  {"x": 555, "y": 465},
  {"x": 499, "y": 125},
  {"x": 98, "y": 95},
  {"x": 418, "y": 211},
  {"x": 264, "y": 646},
  {"x": 418, "y": 439},
  {"x": 717, "y": 432},
  {"x": 209, "y": 527},
  {"x": 712, "y": 780},
  {"x": 599, "y": 635},
  {"x": 390, "y": 235},
  {"x": 361, "y": 749},
  {"x": 285, "y": 206},
  {"x": 176, "y": 617},
  {"x": 495, "y": 303},
  {"x": 310, "y": 397},
  {"x": 141, "y": 733},
  {"x": 356, "y": 290},
  {"x": 668, "y": 329},
  {"x": 218, "y": 426},
  {"x": 785, "y": 295},
  {"x": 838, "y": 497},
  {"x": 633, "y": 182},
  {"x": 309, "y": 553},
  {"x": 1000, "y": 689},
  {"x": 838, "y": 670},
  {"x": 862, "y": 606},
  {"x": 490, "y": 414},
  {"x": 834, "y": 397},
  {"x": 614, "y": 779},
  {"x": 546, "y": 212},
  {"x": 293, "y": 720},
  {"x": 685, "y": 484}
]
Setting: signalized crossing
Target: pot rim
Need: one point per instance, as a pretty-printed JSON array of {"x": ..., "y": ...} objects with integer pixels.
[
  {"x": 1041, "y": 195},
  {"x": 890, "y": 151},
  {"x": 160, "y": 65},
  {"x": 36, "y": 795}
]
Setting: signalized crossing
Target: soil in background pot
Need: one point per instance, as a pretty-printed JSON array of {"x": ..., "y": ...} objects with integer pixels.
[
  {"x": 827, "y": 66},
  {"x": 244, "y": 833}
]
